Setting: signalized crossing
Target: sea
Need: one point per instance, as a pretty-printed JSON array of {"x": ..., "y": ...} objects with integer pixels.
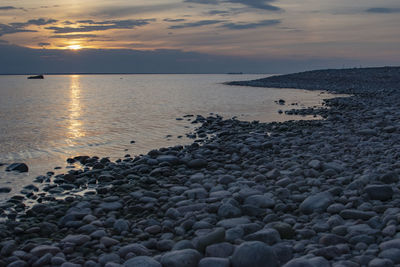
[{"x": 44, "y": 122}]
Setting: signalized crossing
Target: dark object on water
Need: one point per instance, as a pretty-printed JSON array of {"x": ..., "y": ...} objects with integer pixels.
[
  {"x": 18, "y": 167},
  {"x": 235, "y": 73},
  {"x": 36, "y": 77}
]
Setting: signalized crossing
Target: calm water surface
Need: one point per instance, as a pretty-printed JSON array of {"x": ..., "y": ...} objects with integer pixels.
[{"x": 43, "y": 122}]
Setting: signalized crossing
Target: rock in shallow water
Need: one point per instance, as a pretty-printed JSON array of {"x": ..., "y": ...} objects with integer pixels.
[
  {"x": 18, "y": 167},
  {"x": 5, "y": 189}
]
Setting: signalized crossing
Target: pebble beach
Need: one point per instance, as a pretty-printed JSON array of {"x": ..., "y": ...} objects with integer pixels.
[{"x": 296, "y": 193}]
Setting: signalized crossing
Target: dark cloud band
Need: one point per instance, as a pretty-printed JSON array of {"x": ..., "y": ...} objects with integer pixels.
[
  {"x": 383, "y": 10},
  {"x": 195, "y": 24},
  {"x": 258, "y": 4},
  {"x": 243, "y": 26}
]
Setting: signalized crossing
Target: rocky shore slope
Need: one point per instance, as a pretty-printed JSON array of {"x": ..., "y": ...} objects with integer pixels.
[{"x": 304, "y": 193}]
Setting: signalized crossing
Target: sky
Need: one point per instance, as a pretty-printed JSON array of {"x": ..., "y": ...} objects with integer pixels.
[{"x": 197, "y": 35}]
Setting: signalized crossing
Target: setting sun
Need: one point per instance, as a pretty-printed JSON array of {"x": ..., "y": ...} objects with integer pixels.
[{"x": 74, "y": 47}]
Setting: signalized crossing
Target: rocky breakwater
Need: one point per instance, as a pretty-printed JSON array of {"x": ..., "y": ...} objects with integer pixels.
[{"x": 305, "y": 193}]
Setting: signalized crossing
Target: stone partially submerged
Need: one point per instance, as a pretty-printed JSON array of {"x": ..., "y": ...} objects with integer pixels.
[{"x": 17, "y": 167}]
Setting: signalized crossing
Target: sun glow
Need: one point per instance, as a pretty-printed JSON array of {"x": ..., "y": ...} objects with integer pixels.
[{"x": 74, "y": 47}]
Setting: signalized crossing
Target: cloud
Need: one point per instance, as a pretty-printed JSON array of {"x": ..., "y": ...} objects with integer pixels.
[
  {"x": 174, "y": 20},
  {"x": 36, "y": 22},
  {"x": 10, "y": 29},
  {"x": 102, "y": 25},
  {"x": 195, "y": 24},
  {"x": 74, "y": 36},
  {"x": 7, "y": 8},
  {"x": 115, "y": 12},
  {"x": 258, "y": 4},
  {"x": 218, "y": 12},
  {"x": 253, "y": 25},
  {"x": 49, "y": 6},
  {"x": 383, "y": 10},
  {"x": 43, "y": 44},
  {"x": 16, "y": 27},
  {"x": 3, "y": 41},
  {"x": 40, "y": 22},
  {"x": 207, "y": 2}
]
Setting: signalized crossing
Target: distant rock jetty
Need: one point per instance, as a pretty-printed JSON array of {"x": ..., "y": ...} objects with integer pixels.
[{"x": 297, "y": 193}]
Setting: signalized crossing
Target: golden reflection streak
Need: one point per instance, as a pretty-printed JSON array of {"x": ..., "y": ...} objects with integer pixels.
[{"x": 75, "y": 122}]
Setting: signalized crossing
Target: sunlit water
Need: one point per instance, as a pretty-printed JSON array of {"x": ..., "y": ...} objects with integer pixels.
[{"x": 43, "y": 122}]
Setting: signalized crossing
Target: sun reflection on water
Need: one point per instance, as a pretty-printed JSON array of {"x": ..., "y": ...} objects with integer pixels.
[{"x": 75, "y": 122}]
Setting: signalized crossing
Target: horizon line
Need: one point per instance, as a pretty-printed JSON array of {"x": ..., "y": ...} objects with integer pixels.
[{"x": 130, "y": 73}]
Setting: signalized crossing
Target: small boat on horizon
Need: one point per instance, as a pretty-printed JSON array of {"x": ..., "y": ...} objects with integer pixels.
[{"x": 36, "y": 77}]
